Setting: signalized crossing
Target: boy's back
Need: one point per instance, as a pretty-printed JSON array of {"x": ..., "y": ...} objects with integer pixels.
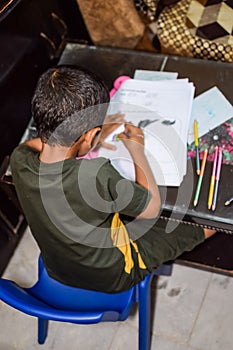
[
  {"x": 90, "y": 223},
  {"x": 69, "y": 207}
]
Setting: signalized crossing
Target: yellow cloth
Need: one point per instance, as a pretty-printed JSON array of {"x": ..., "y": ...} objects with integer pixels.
[{"x": 121, "y": 240}]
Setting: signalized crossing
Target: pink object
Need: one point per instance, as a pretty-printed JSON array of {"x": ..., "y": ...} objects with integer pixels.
[
  {"x": 90, "y": 155},
  {"x": 217, "y": 179},
  {"x": 215, "y": 161},
  {"x": 218, "y": 171},
  {"x": 112, "y": 92},
  {"x": 117, "y": 83}
]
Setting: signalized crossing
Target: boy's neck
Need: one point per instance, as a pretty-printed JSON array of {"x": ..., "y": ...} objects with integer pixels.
[{"x": 53, "y": 154}]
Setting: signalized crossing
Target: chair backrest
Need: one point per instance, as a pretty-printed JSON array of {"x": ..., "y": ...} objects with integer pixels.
[{"x": 65, "y": 297}]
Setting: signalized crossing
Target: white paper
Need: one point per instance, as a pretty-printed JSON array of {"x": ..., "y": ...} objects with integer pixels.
[
  {"x": 210, "y": 109},
  {"x": 163, "y": 110},
  {"x": 142, "y": 74}
]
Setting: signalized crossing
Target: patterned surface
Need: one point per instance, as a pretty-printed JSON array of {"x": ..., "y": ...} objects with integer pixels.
[
  {"x": 220, "y": 136},
  {"x": 194, "y": 29},
  {"x": 211, "y": 19},
  {"x": 147, "y": 8}
]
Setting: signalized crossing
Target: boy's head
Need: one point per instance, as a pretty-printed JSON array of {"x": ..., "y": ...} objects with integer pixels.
[{"x": 68, "y": 101}]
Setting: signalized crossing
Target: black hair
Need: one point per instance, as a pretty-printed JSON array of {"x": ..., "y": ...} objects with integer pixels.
[{"x": 67, "y": 102}]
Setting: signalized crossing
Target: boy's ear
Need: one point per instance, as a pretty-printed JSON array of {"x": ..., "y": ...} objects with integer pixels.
[{"x": 90, "y": 135}]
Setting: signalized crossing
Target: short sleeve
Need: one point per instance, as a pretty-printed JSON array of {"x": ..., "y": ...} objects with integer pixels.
[{"x": 128, "y": 197}]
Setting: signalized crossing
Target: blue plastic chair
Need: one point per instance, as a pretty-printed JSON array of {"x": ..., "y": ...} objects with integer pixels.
[{"x": 51, "y": 300}]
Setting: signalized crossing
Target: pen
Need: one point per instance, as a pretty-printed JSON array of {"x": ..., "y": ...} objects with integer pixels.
[
  {"x": 195, "y": 126},
  {"x": 138, "y": 135},
  {"x": 212, "y": 180},
  {"x": 228, "y": 201},
  {"x": 217, "y": 178},
  {"x": 117, "y": 138},
  {"x": 203, "y": 163}
]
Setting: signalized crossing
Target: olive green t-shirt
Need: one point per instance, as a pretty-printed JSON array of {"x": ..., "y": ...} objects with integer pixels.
[{"x": 69, "y": 206}]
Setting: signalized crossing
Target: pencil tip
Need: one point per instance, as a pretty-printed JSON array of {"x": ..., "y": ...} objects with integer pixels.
[
  {"x": 195, "y": 203},
  {"x": 213, "y": 207},
  {"x": 209, "y": 206},
  {"x": 198, "y": 172},
  {"x": 227, "y": 203}
]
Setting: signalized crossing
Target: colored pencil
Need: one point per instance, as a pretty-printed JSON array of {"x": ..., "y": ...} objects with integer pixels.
[
  {"x": 229, "y": 201},
  {"x": 213, "y": 177},
  {"x": 195, "y": 126},
  {"x": 200, "y": 178},
  {"x": 218, "y": 172}
]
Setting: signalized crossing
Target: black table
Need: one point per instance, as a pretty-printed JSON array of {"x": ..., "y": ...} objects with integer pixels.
[{"x": 216, "y": 253}]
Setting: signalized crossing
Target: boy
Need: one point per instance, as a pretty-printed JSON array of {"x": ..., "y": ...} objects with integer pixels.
[{"x": 95, "y": 229}]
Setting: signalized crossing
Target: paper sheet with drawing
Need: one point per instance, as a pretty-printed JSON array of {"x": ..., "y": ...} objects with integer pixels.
[
  {"x": 210, "y": 109},
  {"x": 163, "y": 111}
]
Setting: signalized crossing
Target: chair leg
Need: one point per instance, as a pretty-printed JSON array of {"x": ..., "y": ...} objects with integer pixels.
[
  {"x": 42, "y": 330},
  {"x": 144, "y": 307},
  {"x": 144, "y": 311}
]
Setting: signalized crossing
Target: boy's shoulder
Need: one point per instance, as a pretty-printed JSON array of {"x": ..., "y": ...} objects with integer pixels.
[
  {"x": 101, "y": 166},
  {"x": 20, "y": 156},
  {"x": 23, "y": 148},
  {"x": 21, "y": 151},
  {"x": 96, "y": 162}
]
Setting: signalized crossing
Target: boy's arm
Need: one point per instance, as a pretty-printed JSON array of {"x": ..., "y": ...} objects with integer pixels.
[
  {"x": 134, "y": 141},
  {"x": 145, "y": 178},
  {"x": 35, "y": 144}
]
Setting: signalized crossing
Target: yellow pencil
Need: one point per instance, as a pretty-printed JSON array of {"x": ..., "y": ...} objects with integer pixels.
[
  {"x": 195, "y": 126},
  {"x": 212, "y": 180}
]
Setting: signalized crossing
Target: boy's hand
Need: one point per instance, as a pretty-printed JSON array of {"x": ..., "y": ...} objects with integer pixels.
[
  {"x": 132, "y": 138},
  {"x": 111, "y": 123}
]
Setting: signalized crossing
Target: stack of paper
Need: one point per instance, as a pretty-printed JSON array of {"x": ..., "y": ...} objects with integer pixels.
[{"x": 162, "y": 109}]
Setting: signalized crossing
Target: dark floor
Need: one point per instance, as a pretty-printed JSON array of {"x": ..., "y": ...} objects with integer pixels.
[
  {"x": 214, "y": 254},
  {"x": 8, "y": 243}
]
